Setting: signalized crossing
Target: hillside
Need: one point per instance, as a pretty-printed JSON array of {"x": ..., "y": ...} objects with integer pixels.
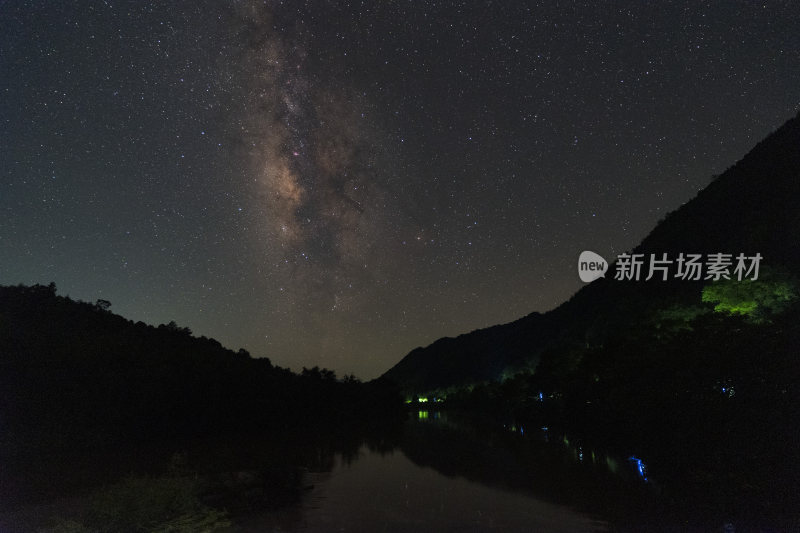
[
  {"x": 751, "y": 208},
  {"x": 75, "y": 372}
]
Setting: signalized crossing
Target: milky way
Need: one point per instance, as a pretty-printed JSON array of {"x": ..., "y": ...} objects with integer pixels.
[{"x": 319, "y": 171}]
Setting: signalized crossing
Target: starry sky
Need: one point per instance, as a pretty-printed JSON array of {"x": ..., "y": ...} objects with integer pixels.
[{"x": 336, "y": 183}]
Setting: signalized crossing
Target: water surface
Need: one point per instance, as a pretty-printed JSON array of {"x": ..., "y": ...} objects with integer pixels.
[{"x": 389, "y": 492}]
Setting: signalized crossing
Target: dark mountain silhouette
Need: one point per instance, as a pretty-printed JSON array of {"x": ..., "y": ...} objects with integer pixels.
[
  {"x": 73, "y": 373},
  {"x": 753, "y": 207}
]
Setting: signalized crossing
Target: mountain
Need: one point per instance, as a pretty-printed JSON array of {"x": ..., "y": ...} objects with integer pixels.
[
  {"x": 73, "y": 372},
  {"x": 753, "y": 207}
]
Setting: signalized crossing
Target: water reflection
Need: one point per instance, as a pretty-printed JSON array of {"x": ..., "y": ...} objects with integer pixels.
[
  {"x": 449, "y": 472},
  {"x": 390, "y": 492},
  {"x": 555, "y": 470},
  {"x": 640, "y": 467},
  {"x": 437, "y": 471}
]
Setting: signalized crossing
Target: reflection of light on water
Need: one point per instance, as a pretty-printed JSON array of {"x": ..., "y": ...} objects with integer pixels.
[
  {"x": 379, "y": 491},
  {"x": 578, "y": 454},
  {"x": 640, "y": 466},
  {"x": 423, "y": 415},
  {"x": 513, "y": 428},
  {"x": 613, "y": 465}
]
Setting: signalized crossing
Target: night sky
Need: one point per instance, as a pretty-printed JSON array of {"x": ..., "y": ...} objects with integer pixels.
[{"x": 335, "y": 184}]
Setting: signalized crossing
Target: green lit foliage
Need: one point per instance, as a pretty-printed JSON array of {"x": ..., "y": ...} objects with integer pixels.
[
  {"x": 512, "y": 371},
  {"x": 678, "y": 317},
  {"x": 682, "y": 313},
  {"x": 756, "y": 300}
]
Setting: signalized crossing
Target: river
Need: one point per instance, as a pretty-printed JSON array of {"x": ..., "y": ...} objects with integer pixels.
[{"x": 437, "y": 471}]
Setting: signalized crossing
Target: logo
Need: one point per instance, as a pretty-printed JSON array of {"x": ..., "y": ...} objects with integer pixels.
[
  {"x": 692, "y": 267},
  {"x": 591, "y": 266}
]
